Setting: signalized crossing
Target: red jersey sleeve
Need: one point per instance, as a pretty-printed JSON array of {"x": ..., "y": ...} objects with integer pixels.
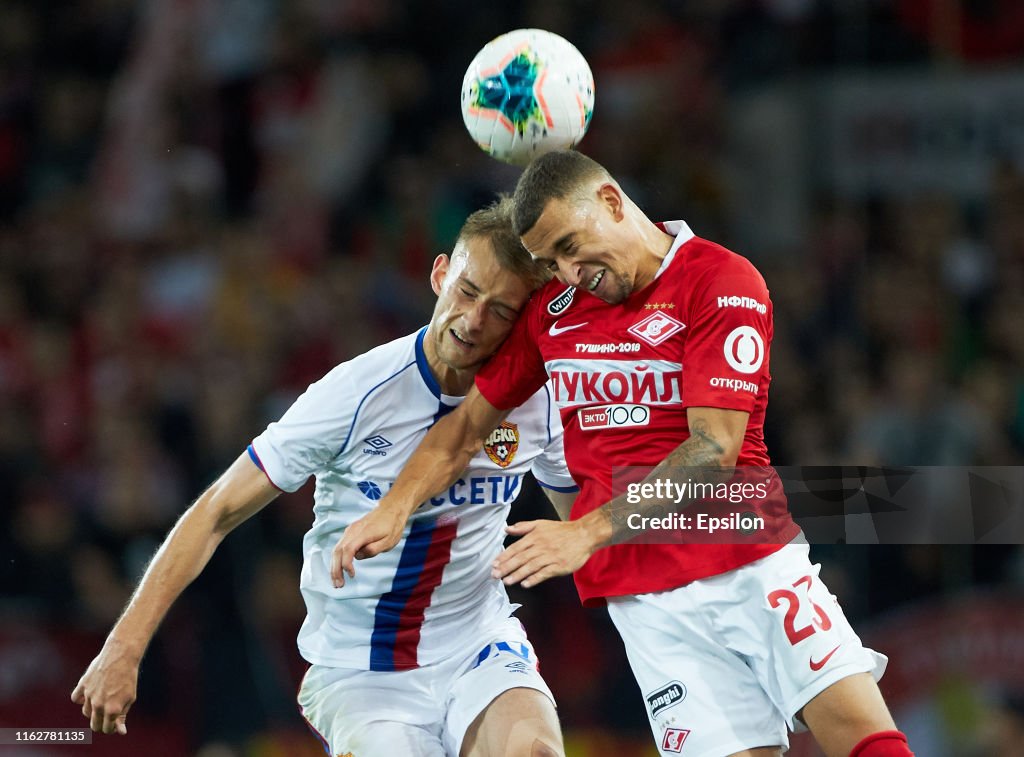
[
  {"x": 517, "y": 369},
  {"x": 725, "y": 361}
]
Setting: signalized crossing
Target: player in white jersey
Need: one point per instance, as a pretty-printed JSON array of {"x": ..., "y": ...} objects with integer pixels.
[{"x": 421, "y": 655}]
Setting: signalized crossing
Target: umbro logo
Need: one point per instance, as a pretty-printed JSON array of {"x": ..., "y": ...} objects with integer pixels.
[{"x": 378, "y": 445}]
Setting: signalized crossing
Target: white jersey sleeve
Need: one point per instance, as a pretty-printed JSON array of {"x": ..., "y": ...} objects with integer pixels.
[
  {"x": 311, "y": 432},
  {"x": 549, "y": 467}
]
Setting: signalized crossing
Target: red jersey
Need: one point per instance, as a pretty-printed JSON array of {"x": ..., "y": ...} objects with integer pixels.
[{"x": 623, "y": 375}]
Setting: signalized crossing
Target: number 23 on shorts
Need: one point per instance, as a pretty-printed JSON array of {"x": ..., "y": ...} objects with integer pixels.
[{"x": 794, "y": 602}]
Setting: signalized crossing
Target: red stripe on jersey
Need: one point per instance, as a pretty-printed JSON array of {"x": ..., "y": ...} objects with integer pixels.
[{"x": 407, "y": 637}]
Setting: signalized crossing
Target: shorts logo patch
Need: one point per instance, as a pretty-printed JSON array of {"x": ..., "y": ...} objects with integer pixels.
[
  {"x": 656, "y": 328},
  {"x": 370, "y": 490},
  {"x": 518, "y": 649},
  {"x": 673, "y": 739},
  {"x": 502, "y": 444},
  {"x": 562, "y": 301},
  {"x": 667, "y": 696}
]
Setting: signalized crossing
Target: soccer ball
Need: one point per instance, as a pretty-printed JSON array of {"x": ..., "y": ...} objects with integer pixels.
[{"x": 527, "y": 92}]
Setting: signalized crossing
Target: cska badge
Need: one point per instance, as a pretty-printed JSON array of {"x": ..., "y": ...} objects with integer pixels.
[{"x": 502, "y": 444}]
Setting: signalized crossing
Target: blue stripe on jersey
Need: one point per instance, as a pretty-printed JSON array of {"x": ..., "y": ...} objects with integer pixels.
[
  {"x": 428, "y": 377},
  {"x": 255, "y": 458},
  {"x": 359, "y": 407},
  {"x": 442, "y": 411},
  {"x": 424, "y": 366},
  {"x": 388, "y": 614}
]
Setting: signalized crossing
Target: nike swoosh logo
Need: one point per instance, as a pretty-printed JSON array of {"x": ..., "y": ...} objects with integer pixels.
[
  {"x": 555, "y": 331},
  {"x": 816, "y": 666}
]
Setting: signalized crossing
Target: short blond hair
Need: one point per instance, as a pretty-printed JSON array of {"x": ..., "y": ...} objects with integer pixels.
[{"x": 494, "y": 223}]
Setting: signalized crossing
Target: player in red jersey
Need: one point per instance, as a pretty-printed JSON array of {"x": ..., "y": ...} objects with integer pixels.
[{"x": 657, "y": 343}]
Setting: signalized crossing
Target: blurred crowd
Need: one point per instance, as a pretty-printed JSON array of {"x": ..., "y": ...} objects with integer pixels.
[{"x": 206, "y": 204}]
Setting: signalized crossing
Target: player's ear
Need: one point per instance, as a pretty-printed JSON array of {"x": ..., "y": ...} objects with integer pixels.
[
  {"x": 610, "y": 197},
  {"x": 438, "y": 272}
]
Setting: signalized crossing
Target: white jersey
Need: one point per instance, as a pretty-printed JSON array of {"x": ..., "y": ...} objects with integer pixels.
[{"x": 354, "y": 430}]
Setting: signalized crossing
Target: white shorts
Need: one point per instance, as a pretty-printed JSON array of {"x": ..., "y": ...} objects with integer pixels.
[
  {"x": 423, "y": 712},
  {"x": 725, "y": 663}
]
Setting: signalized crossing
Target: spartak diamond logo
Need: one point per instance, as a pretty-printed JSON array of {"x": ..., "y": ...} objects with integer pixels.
[
  {"x": 656, "y": 328},
  {"x": 674, "y": 738},
  {"x": 502, "y": 444}
]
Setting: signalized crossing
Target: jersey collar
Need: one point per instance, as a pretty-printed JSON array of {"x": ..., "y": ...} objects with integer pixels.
[
  {"x": 682, "y": 234},
  {"x": 424, "y": 366}
]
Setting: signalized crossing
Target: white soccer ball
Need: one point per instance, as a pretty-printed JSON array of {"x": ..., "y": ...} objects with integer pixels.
[{"x": 527, "y": 92}]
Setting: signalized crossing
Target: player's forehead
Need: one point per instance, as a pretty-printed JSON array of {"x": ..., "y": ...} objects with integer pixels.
[
  {"x": 473, "y": 255},
  {"x": 561, "y": 223},
  {"x": 476, "y": 264}
]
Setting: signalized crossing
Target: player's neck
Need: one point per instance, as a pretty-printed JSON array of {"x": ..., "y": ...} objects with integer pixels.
[
  {"x": 453, "y": 382},
  {"x": 654, "y": 248}
]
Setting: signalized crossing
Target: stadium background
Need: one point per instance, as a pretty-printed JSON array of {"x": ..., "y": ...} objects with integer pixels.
[{"x": 205, "y": 204}]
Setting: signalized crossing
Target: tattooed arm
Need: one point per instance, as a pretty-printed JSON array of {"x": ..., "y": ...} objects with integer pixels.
[
  {"x": 549, "y": 548},
  {"x": 707, "y": 456}
]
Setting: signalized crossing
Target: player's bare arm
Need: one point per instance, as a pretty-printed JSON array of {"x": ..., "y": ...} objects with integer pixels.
[
  {"x": 708, "y": 455},
  {"x": 439, "y": 460},
  {"x": 549, "y": 548},
  {"x": 107, "y": 688}
]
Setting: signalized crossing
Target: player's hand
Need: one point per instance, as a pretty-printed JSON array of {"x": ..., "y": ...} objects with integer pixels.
[
  {"x": 107, "y": 689},
  {"x": 377, "y": 531},
  {"x": 548, "y": 548}
]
